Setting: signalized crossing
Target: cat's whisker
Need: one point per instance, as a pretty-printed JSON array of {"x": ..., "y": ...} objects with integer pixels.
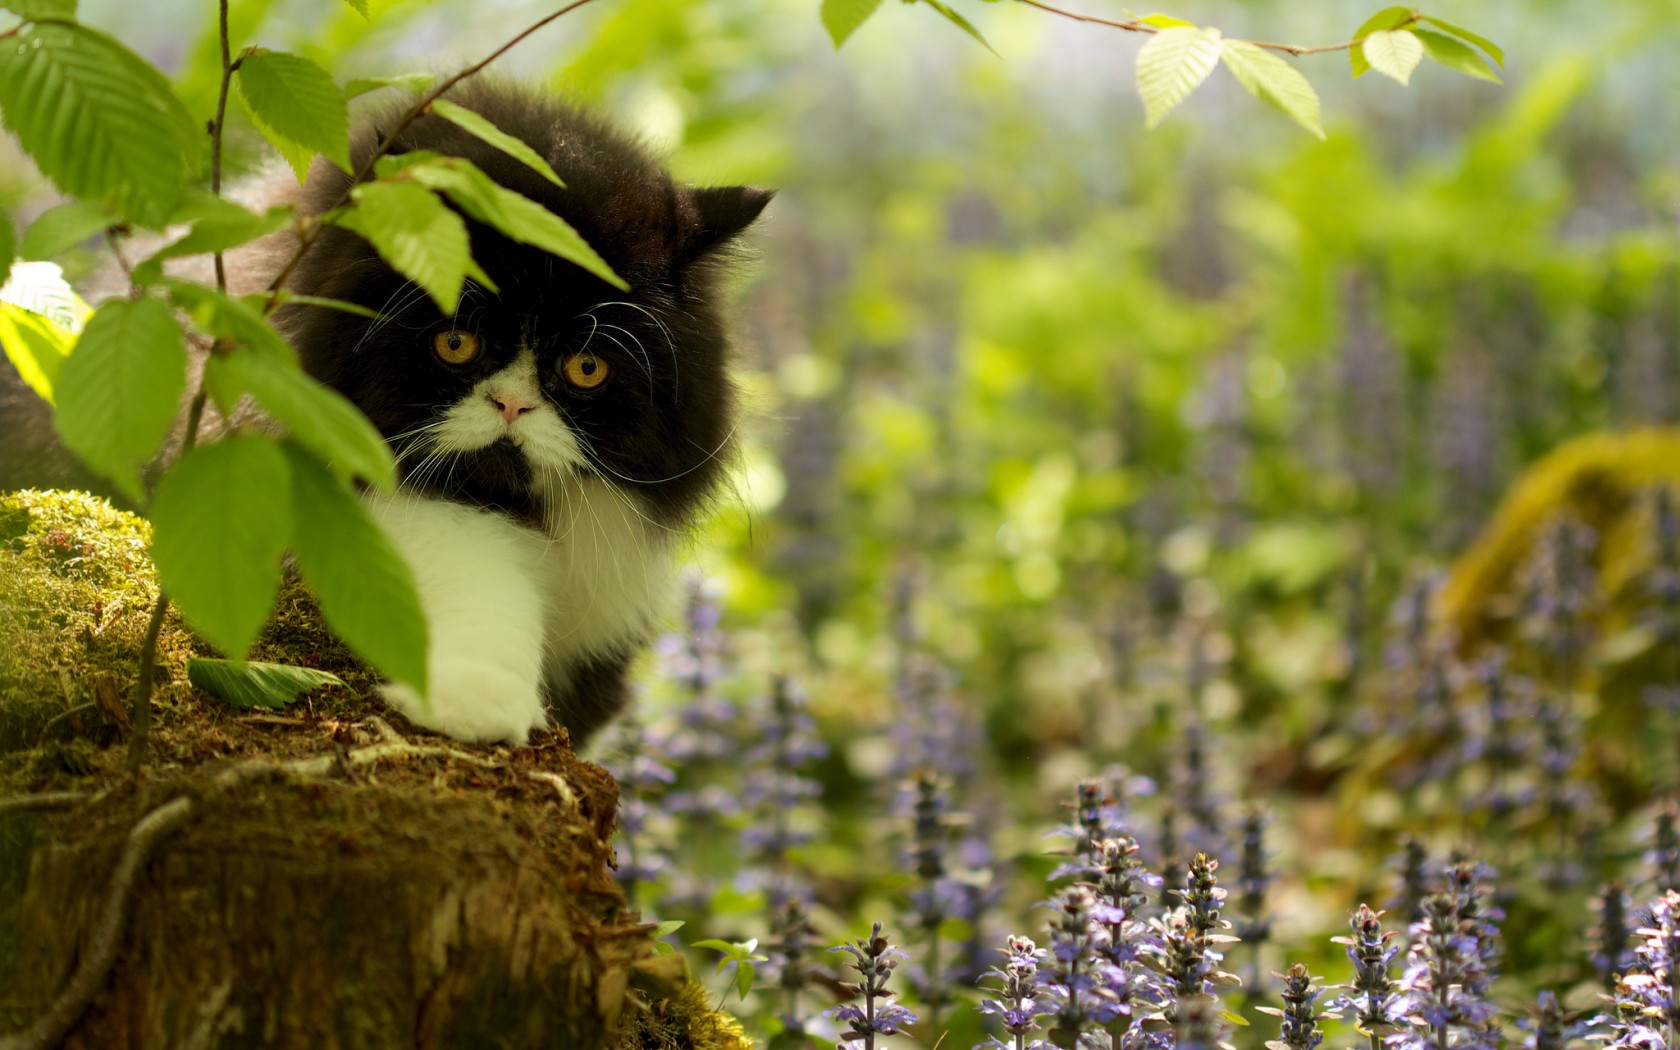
[{"x": 664, "y": 329}]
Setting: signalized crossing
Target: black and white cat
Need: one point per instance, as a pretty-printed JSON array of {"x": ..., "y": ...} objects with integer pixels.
[{"x": 555, "y": 439}]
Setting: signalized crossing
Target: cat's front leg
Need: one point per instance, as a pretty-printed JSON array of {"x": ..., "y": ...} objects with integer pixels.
[{"x": 484, "y": 616}]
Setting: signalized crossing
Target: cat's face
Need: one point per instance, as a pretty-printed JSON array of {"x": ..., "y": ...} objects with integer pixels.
[{"x": 557, "y": 375}]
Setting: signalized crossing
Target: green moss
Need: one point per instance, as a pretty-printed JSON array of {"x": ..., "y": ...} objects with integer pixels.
[{"x": 685, "y": 1021}]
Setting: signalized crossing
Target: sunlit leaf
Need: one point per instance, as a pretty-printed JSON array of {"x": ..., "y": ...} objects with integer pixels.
[
  {"x": 1274, "y": 81},
  {"x": 118, "y": 393},
  {"x": 35, "y": 346},
  {"x": 32, "y": 9},
  {"x": 295, "y": 101},
  {"x": 253, "y": 684},
  {"x": 1393, "y": 52},
  {"x": 217, "y": 225},
  {"x": 421, "y": 239},
  {"x": 515, "y": 215},
  {"x": 1173, "y": 63},
  {"x": 364, "y": 585},
  {"x": 843, "y": 17},
  {"x": 359, "y": 6},
  {"x": 1387, "y": 18},
  {"x": 1165, "y": 21},
  {"x": 221, "y": 518},
  {"x": 482, "y": 129},
  {"x": 98, "y": 120}
]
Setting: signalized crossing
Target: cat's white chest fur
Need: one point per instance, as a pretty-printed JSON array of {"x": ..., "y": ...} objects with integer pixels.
[{"x": 514, "y": 612}]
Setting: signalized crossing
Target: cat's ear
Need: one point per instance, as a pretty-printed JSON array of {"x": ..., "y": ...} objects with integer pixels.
[{"x": 719, "y": 214}]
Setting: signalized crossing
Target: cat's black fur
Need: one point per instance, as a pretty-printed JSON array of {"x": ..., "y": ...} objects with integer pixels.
[{"x": 660, "y": 426}]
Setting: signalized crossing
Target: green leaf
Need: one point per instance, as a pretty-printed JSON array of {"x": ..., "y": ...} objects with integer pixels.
[
  {"x": 217, "y": 225},
  {"x": 1393, "y": 53},
  {"x": 360, "y": 6},
  {"x": 8, "y": 246},
  {"x": 843, "y": 17},
  {"x": 1173, "y": 63},
  {"x": 120, "y": 391},
  {"x": 421, "y": 239},
  {"x": 517, "y": 216},
  {"x": 1387, "y": 18},
  {"x": 97, "y": 119},
  {"x": 221, "y": 518},
  {"x": 35, "y": 346},
  {"x": 482, "y": 129},
  {"x": 365, "y": 588},
  {"x": 1455, "y": 55},
  {"x": 295, "y": 101},
  {"x": 61, "y": 228},
  {"x": 743, "y": 978},
  {"x": 1160, "y": 21},
  {"x": 1493, "y": 49},
  {"x": 413, "y": 83},
  {"x": 224, "y": 317},
  {"x": 252, "y": 684},
  {"x": 317, "y": 417},
  {"x": 289, "y": 296},
  {"x": 1275, "y": 82},
  {"x": 666, "y": 928},
  {"x": 36, "y": 9},
  {"x": 960, "y": 22}
]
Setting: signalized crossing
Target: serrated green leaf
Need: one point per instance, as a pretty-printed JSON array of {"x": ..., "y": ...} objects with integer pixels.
[
  {"x": 120, "y": 391},
  {"x": 1455, "y": 55},
  {"x": 1275, "y": 82},
  {"x": 1387, "y": 18},
  {"x": 221, "y": 518},
  {"x": 35, "y": 346},
  {"x": 1393, "y": 53},
  {"x": 365, "y": 588},
  {"x": 295, "y": 101},
  {"x": 843, "y": 17},
  {"x": 1493, "y": 49},
  {"x": 217, "y": 225},
  {"x": 1173, "y": 63},
  {"x": 252, "y": 684},
  {"x": 421, "y": 239},
  {"x": 360, "y": 6},
  {"x": 33, "y": 9},
  {"x": 413, "y": 83},
  {"x": 482, "y": 129},
  {"x": 225, "y": 317},
  {"x": 60, "y": 228},
  {"x": 517, "y": 216},
  {"x": 97, "y": 119},
  {"x": 960, "y": 22},
  {"x": 317, "y": 417}
]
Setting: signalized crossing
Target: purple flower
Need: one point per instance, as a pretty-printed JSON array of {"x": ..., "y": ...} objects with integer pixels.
[{"x": 874, "y": 958}]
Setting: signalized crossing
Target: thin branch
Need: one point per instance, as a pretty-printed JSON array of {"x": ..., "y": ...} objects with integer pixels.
[
  {"x": 68, "y": 713},
  {"x": 140, "y": 708},
  {"x": 90, "y": 976},
  {"x": 1134, "y": 25},
  {"x": 216, "y": 127},
  {"x": 310, "y": 233}
]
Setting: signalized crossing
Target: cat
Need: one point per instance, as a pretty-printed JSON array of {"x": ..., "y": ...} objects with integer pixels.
[{"x": 554, "y": 439}]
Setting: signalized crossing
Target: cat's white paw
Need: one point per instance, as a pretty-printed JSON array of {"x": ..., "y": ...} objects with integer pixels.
[{"x": 477, "y": 702}]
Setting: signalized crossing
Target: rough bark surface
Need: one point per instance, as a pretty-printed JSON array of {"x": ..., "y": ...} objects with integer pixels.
[{"x": 337, "y": 883}]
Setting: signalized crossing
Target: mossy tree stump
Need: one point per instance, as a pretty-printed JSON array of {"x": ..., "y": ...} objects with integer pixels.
[{"x": 303, "y": 878}]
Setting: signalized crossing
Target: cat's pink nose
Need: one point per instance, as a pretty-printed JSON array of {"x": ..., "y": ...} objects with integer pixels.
[{"x": 512, "y": 405}]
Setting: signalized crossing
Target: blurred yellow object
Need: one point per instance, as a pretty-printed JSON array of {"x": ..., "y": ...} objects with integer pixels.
[{"x": 1598, "y": 478}]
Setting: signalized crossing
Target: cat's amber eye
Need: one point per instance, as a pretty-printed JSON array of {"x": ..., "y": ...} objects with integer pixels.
[
  {"x": 455, "y": 347},
  {"x": 584, "y": 371}
]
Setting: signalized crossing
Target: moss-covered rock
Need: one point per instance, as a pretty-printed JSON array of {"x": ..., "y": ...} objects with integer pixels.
[{"x": 334, "y": 886}]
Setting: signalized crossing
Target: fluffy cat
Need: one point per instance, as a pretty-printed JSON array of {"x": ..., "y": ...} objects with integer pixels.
[{"x": 553, "y": 439}]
